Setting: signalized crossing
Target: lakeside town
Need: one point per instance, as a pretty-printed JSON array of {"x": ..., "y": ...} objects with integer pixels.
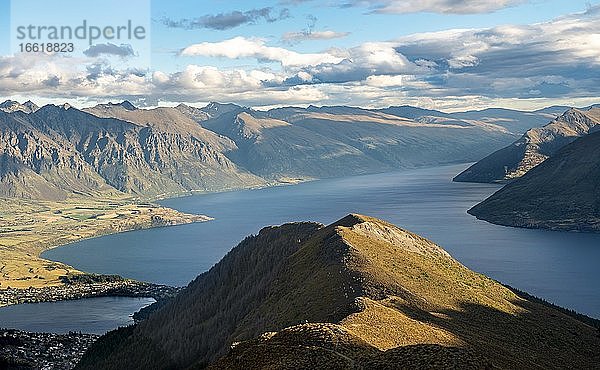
[
  {"x": 117, "y": 287},
  {"x": 27, "y": 229},
  {"x": 25, "y": 350},
  {"x": 29, "y": 350}
]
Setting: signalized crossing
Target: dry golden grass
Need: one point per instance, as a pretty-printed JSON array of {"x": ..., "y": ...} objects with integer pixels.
[
  {"x": 429, "y": 278},
  {"x": 416, "y": 307},
  {"x": 386, "y": 328},
  {"x": 27, "y": 228},
  {"x": 418, "y": 295},
  {"x": 415, "y": 302}
]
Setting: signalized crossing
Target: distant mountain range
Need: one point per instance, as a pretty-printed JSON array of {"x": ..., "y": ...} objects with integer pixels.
[
  {"x": 54, "y": 151},
  {"x": 10, "y": 106},
  {"x": 534, "y": 147},
  {"x": 562, "y": 193},
  {"x": 357, "y": 294}
]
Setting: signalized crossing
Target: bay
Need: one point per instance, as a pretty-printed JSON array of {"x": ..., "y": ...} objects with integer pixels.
[
  {"x": 558, "y": 266},
  {"x": 90, "y": 315}
]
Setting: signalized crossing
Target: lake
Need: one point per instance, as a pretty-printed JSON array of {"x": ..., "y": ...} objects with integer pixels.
[
  {"x": 558, "y": 266},
  {"x": 90, "y": 315}
]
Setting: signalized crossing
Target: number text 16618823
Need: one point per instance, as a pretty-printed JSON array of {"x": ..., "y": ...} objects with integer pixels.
[{"x": 47, "y": 47}]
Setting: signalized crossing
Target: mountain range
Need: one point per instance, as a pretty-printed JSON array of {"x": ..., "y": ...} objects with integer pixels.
[
  {"x": 357, "y": 294},
  {"x": 59, "y": 150},
  {"x": 10, "y": 106},
  {"x": 562, "y": 193},
  {"x": 534, "y": 147},
  {"x": 54, "y": 151}
]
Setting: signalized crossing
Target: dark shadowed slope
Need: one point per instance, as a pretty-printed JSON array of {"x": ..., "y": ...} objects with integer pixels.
[
  {"x": 360, "y": 293},
  {"x": 562, "y": 193},
  {"x": 533, "y": 148}
]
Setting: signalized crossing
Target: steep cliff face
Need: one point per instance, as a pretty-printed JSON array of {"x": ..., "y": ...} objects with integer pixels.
[
  {"x": 562, "y": 193},
  {"x": 73, "y": 151},
  {"x": 169, "y": 153},
  {"x": 359, "y": 293},
  {"x": 533, "y": 148},
  {"x": 36, "y": 165}
]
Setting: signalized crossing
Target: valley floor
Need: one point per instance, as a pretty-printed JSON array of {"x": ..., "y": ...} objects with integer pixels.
[{"x": 27, "y": 228}]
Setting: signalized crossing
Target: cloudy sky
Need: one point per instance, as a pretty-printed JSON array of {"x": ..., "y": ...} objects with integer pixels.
[{"x": 443, "y": 54}]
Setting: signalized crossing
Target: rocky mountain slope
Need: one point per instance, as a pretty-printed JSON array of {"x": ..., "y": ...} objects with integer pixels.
[
  {"x": 562, "y": 193},
  {"x": 534, "y": 147},
  {"x": 277, "y": 150},
  {"x": 58, "y": 150},
  {"x": 10, "y": 106},
  {"x": 34, "y": 164},
  {"x": 360, "y": 293},
  {"x": 291, "y": 143}
]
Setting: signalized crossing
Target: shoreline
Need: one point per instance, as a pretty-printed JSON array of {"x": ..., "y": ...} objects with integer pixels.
[
  {"x": 191, "y": 218},
  {"x": 31, "y": 228},
  {"x": 10, "y": 296},
  {"x": 204, "y": 219},
  {"x": 118, "y": 287},
  {"x": 280, "y": 183},
  {"x": 563, "y": 226}
]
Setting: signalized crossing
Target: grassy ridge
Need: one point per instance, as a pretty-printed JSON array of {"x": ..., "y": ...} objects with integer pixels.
[{"x": 360, "y": 293}]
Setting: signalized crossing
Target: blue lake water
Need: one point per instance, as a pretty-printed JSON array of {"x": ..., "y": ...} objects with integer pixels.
[
  {"x": 91, "y": 315},
  {"x": 558, "y": 266}
]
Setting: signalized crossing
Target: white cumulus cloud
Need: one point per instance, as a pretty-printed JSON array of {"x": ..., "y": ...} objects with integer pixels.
[{"x": 241, "y": 47}]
